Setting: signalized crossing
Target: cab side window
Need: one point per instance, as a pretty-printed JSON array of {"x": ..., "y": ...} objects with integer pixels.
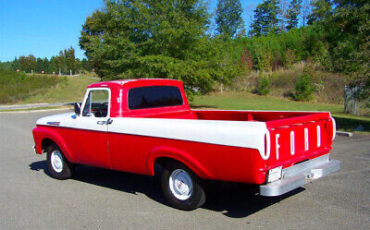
[{"x": 96, "y": 103}]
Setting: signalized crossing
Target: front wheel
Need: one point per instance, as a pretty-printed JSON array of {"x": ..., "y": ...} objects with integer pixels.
[
  {"x": 58, "y": 166},
  {"x": 181, "y": 187}
]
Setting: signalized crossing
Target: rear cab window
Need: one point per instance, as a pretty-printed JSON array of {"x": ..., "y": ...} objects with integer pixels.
[{"x": 154, "y": 97}]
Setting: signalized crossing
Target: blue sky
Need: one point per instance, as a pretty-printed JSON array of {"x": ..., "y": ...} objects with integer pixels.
[{"x": 44, "y": 27}]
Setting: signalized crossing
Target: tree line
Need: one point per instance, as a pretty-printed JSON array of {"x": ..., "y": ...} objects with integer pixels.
[
  {"x": 64, "y": 63},
  {"x": 171, "y": 39}
]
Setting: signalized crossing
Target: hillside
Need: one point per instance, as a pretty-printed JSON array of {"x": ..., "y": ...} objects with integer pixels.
[{"x": 70, "y": 89}]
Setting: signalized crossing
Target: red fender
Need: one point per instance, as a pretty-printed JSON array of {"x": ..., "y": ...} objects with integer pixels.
[
  {"x": 41, "y": 133},
  {"x": 178, "y": 155}
]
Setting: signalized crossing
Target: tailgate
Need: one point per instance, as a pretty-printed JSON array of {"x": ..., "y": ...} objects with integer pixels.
[{"x": 301, "y": 138}]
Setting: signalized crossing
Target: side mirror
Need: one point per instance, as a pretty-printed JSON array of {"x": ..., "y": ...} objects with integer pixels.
[{"x": 78, "y": 109}]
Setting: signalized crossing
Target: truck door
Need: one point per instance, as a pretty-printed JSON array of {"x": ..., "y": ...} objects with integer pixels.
[{"x": 92, "y": 144}]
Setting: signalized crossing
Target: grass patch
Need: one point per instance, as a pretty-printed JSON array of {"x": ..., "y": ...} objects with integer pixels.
[
  {"x": 19, "y": 88},
  {"x": 248, "y": 101},
  {"x": 329, "y": 86},
  {"x": 351, "y": 123},
  {"x": 72, "y": 89},
  {"x": 15, "y": 87}
]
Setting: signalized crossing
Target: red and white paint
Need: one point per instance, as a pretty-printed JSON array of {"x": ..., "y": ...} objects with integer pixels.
[{"x": 236, "y": 146}]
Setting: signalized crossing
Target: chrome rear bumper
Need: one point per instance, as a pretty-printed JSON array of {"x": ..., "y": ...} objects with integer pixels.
[{"x": 299, "y": 175}]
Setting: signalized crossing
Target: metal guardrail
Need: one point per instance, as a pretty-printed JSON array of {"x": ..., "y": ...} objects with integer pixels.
[{"x": 34, "y": 106}]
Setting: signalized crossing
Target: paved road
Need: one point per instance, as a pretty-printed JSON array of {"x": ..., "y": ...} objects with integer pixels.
[{"x": 102, "y": 199}]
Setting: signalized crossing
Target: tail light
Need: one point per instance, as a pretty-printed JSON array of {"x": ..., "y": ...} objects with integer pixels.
[{"x": 334, "y": 125}]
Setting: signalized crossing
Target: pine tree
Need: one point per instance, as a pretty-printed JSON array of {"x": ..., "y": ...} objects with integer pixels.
[
  {"x": 70, "y": 60},
  {"x": 321, "y": 10},
  {"x": 27, "y": 63},
  {"x": 228, "y": 17},
  {"x": 293, "y": 13},
  {"x": 15, "y": 64},
  {"x": 350, "y": 43},
  {"x": 39, "y": 65},
  {"x": 265, "y": 18},
  {"x": 306, "y": 8},
  {"x": 283, "y": 14}
]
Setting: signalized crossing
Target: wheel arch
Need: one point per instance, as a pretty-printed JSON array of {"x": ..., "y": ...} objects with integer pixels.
[
  {"x": 46, "y": 142},
  {"x": 164, "y": 155},
  {"x": 46, "y": 137}
]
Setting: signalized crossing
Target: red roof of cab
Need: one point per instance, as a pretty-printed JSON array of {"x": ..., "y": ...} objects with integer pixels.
[
  {"x": 135, "y": 82},
  {"x": 119, "y": 91}
]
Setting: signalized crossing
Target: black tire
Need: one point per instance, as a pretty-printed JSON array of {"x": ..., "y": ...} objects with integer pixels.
[
  {"x": 191, "y": 200},
  {"x": 64, "y": 169}
]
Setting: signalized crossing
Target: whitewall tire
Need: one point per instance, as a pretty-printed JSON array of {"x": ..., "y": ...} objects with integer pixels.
[
  {"x": 181, "y": 187},
  {"x": 58, "y": 165}
]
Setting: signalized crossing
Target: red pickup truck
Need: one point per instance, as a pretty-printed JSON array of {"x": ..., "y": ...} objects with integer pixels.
[{"x": 135, "y": 125}]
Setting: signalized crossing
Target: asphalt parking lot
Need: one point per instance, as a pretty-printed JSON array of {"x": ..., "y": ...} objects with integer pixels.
[{"x": 102, "y": 199}]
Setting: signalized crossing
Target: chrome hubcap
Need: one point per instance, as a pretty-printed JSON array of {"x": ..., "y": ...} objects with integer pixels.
[
  {"x": 181, "y": 184},
  {"x": 57, "y": 161}
]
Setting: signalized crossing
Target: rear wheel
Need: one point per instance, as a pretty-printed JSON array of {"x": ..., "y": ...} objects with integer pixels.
[
  {"x": 181, "y": 187},
  {"x": 58, "y": 166}
]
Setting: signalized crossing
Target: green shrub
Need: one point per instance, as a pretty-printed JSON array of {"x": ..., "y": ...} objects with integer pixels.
[
  {"x": 263, "y": 86},
  {"x": 304, "y": 88},
  {"x": 289, "y": 58},
  {"x": 15, "y": 86}
]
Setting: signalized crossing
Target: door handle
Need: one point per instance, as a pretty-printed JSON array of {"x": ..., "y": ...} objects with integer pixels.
[{"x": 108, "y": 122}]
